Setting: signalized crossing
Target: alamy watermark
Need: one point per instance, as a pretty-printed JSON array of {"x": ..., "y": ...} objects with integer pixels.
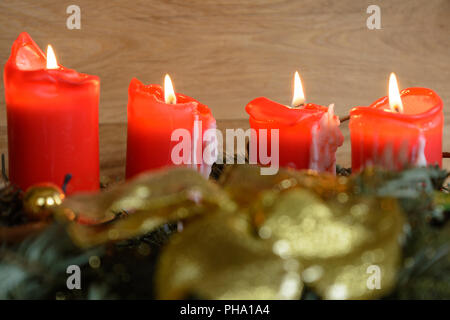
[
  {"x": 374, "y": 20},
  {"x": 196, "y": 148},
  {"x": 74, "y": 19},
  {"x": 374, "y": 280},
  {"x": 74, "y": 280}
]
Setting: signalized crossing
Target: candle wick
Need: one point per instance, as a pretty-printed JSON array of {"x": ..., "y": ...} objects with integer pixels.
[
  {"x": 5, "y": 176},
  {"x": 66, "y": 181},
  {"x": 396, "y": 108},
  {"x": 298, "y": 105},
  {"x": 171, "y": 99}
]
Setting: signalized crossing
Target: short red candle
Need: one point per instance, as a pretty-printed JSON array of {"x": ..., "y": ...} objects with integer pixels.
[
  {"x": 391, "y": 139},
  {"x": 52, "y": 119},
  {"x": 151, "y": 122},
  {"x": 309, "y": 135}
]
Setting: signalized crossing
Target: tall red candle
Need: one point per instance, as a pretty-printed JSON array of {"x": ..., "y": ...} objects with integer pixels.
[
  {"x": 309, "y": 134},
  {"x": 152, "y": 119},
  {"x": 393, "y": 139},
  {"x": 52, "y": 117}
]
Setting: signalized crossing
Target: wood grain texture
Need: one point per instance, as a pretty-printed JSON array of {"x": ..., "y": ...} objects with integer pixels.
[{"x": 227, "y": 52}]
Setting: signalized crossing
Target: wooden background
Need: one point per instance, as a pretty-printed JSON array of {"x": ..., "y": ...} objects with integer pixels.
[{"x": 227, "y": 52}]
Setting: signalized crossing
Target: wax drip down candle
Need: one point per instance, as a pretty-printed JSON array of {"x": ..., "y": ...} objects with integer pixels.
[
  {"x": 164, "y": 126},
  {"x": 401, "y": 129},
  {"x": 52, "y": 116},
  {"x": 309, "y": 134}
]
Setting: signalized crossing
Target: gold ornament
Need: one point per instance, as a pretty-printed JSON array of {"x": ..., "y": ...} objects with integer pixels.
[
  {"x": 218, "y": 257},
  {"x": 40, "y": 201}
]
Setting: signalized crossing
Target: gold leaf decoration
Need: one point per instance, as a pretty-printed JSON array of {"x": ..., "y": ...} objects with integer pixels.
[
  {"x": 141, "y": 205},
  {"x": 245, "y": 190},
  {"x": 253, "y": 236},
  {"x": 218, "y": 257},
  {"x": 348, "y": 249}
]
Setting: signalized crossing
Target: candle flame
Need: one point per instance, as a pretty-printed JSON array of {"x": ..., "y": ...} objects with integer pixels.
[
  {"x": 51, "y": 58},
  {"x": 298, "y": 98},
  {"x": 395, "y": 101},
  {"x": 169, "y": 92}
]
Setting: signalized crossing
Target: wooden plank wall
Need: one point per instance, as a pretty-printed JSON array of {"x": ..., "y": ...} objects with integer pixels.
[{"x": 227, "y": 52}]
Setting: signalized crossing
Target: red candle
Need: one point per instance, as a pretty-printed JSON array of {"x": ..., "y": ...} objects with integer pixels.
[
  {"x": 309, "y": 134},
  {"x": 398, "y": 130},
  {"x": 153, "y": 116},
  {"x": 52, "y": 115}
]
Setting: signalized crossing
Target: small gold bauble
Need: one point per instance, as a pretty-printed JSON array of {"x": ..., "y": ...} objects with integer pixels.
[{"x": 40, "y": 200}]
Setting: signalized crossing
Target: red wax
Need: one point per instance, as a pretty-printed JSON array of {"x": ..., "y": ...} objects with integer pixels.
[
  {"x": 391, "y": 139},
  {"x": 308, "y": 135},
  {"x": 151, "y": 123},
  {"x": 52, "y": 121}
]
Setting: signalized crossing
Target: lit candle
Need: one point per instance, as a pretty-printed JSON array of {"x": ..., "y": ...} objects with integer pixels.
[
  {"x": 154, "y": 114},
  {"x": 403, "y": 128},
  {"x": 52, "y": 115},
  {"x": 309, "y": 134}
]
